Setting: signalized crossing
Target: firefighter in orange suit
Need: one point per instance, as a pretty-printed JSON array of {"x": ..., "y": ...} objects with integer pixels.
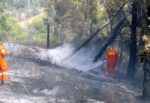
[
  {"x": 3, "y": 64},
  {"x": 111, "y": 61}
]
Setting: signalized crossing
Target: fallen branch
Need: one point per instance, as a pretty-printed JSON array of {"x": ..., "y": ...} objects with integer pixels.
[{"x": 114, "y": 34}]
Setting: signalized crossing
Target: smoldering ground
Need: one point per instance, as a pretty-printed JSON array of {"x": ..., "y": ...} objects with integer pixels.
[{"x": 40, "y": 76}]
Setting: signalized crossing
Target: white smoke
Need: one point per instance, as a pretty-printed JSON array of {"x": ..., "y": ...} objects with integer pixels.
[{"x": 82, "y": 60}]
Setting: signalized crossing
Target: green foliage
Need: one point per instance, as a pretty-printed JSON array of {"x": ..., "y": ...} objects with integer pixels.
[
  {"x": 79, "y": 18},
  {"x": 10, "y": 28},
  {"x": 37, "y": 32}
]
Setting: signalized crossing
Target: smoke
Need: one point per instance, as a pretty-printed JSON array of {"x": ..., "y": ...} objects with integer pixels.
[{"x": 82, "y": 60}]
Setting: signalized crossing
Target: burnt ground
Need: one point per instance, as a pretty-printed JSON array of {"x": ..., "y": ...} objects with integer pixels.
[{"x": 36, "y": 81}]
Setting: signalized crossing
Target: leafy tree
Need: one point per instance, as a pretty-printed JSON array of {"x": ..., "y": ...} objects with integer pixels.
[
  {"x": 37, "y": 31},
  {"x": 10, "y": 28}
]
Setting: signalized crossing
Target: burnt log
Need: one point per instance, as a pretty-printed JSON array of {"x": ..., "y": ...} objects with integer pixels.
[{"x": 110, "y": 40}]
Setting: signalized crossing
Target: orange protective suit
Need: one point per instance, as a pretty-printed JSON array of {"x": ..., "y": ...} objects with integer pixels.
[
  {"x": 111, "y": 61},
  {"x": 3, "y": 64}
]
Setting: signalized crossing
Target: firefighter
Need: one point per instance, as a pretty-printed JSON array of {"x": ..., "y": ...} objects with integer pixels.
[
  {"x": 111, "y": 61},
  {"x": 3, "y": 64}
]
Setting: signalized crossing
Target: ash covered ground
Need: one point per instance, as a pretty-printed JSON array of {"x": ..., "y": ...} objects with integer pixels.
[{"x": 45, "y": 76}]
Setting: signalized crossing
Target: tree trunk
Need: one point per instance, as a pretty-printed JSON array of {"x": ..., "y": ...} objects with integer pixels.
[
  {"x": 55, "y": 28},
  {"x": 114, "y": 34},
  {"x": 121, "y": 51},
  {"x": 133, "y": 47},
  {"x": 48, "y": 35},
  {"x": 62, "y": 34},
  {"x": 91, "y": 27},
  {"x": 148, "y": 14},
  {"x": 146, "y": 81},
  {"x": 48, "y": 29},
  {"x": 29, "y": 7}
]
